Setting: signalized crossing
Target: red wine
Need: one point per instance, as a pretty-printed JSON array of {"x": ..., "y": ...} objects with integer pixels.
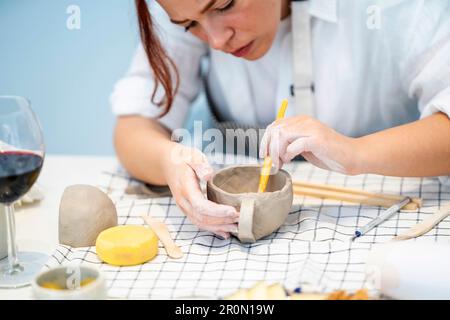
[{"x": 18, "y": 172}]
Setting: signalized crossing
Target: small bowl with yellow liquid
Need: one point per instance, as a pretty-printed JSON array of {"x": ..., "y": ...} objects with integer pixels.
[{"x": 70, "y": 283}]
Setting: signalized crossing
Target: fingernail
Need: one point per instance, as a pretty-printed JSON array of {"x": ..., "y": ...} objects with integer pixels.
[{"x": 231, "y": 213}]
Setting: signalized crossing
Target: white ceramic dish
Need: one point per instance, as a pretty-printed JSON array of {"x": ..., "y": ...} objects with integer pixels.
[{"x": 70, "y": 278}]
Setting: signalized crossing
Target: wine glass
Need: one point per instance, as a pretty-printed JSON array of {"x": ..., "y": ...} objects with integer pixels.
[{"x": 21, "y": 159}]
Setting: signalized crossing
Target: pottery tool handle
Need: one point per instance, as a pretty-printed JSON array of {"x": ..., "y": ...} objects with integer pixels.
[
  {"x": 282, "y": 110},
  {"x": 163, "y": 234},
  {"x": 383, "y": 217},
  {"x": 267, "y": 165},
  {"x": 247, "y": 211},
  {"x": 265, "y": 173},
  {"x": 323, "y": 191},
  {"x": 424, "y": 226}
]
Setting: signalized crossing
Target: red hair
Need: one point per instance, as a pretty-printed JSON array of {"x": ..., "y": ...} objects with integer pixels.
[{"x": 164, "y": 69}]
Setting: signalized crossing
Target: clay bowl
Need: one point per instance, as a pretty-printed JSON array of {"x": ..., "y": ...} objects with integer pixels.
[{"x": 260, "y": 213}]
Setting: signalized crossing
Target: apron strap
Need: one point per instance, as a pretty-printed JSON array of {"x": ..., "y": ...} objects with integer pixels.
[
  {"x": 303, "y": 86},
  {"x": 302, "y": 89}
]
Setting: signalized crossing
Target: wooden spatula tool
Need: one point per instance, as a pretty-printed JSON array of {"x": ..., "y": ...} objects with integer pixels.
[
  {"x": 163, "y": 234},
  {"x": 424, "y": 226}
]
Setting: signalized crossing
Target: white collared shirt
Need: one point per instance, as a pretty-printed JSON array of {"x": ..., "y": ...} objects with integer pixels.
[{"x": 371, "y": 71}]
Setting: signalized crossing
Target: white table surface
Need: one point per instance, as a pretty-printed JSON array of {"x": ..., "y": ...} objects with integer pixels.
[{"x": 37, "y": 225}]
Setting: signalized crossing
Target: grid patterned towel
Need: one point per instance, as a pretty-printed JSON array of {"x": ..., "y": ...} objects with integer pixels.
[{"x": 311, "y": 249}]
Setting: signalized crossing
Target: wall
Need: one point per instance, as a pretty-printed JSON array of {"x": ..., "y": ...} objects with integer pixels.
[{"x": 67, "y": 74}]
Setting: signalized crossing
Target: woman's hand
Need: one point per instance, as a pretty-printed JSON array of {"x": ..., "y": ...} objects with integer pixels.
[
  {"x": 317, "y": 143},
  {"x": 184, "y": 169}
]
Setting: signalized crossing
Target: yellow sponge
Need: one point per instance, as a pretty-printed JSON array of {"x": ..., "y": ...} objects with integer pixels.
[{"x": 127, "y": 245}]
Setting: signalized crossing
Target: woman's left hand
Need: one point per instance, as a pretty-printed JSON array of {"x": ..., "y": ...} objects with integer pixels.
[{"x": 320, "y": 145}]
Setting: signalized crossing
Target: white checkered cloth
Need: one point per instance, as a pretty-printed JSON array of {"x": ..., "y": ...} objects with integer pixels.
[{"x": 311, "y": 249}]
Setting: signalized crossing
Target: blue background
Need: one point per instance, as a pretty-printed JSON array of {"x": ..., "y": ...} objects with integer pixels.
[{"x": 67, "y": 74}]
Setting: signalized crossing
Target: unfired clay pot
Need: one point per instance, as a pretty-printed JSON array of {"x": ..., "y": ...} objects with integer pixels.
[
  {"x": 84, "y": 212},
  {"x": 260, "y": 213}
]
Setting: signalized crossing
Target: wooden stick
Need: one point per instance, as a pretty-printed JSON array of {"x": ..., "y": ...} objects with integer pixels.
[
  {"x": 164, "y": 235},
  {"x": 352, "y": 191},
  {"x": 351, "y": 195},
  {"x": 424, "y": 226}
]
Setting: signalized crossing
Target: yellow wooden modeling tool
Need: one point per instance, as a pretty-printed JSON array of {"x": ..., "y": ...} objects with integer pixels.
[{"x": 267, "y": 165}]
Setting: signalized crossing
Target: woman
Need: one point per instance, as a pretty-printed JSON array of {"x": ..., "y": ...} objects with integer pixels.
[{"x": 381, "y": 89}]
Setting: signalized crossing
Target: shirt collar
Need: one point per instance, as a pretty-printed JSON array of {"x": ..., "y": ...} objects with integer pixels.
[{"x": 324, "y": 9}]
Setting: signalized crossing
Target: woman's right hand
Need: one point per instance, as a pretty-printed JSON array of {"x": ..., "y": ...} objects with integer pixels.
[{"x": 184, "y": 169}]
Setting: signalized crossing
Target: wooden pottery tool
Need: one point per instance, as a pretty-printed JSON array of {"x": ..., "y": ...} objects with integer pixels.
[
  {"x": 321, "y": 191},
  {"x": 163, "y": 234},
  {"x": 267, "y": 165},
  {"x": 424, "y": 226}
]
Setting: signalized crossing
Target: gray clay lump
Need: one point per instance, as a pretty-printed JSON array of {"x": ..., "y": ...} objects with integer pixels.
[{"x": 84, "y": 212}]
